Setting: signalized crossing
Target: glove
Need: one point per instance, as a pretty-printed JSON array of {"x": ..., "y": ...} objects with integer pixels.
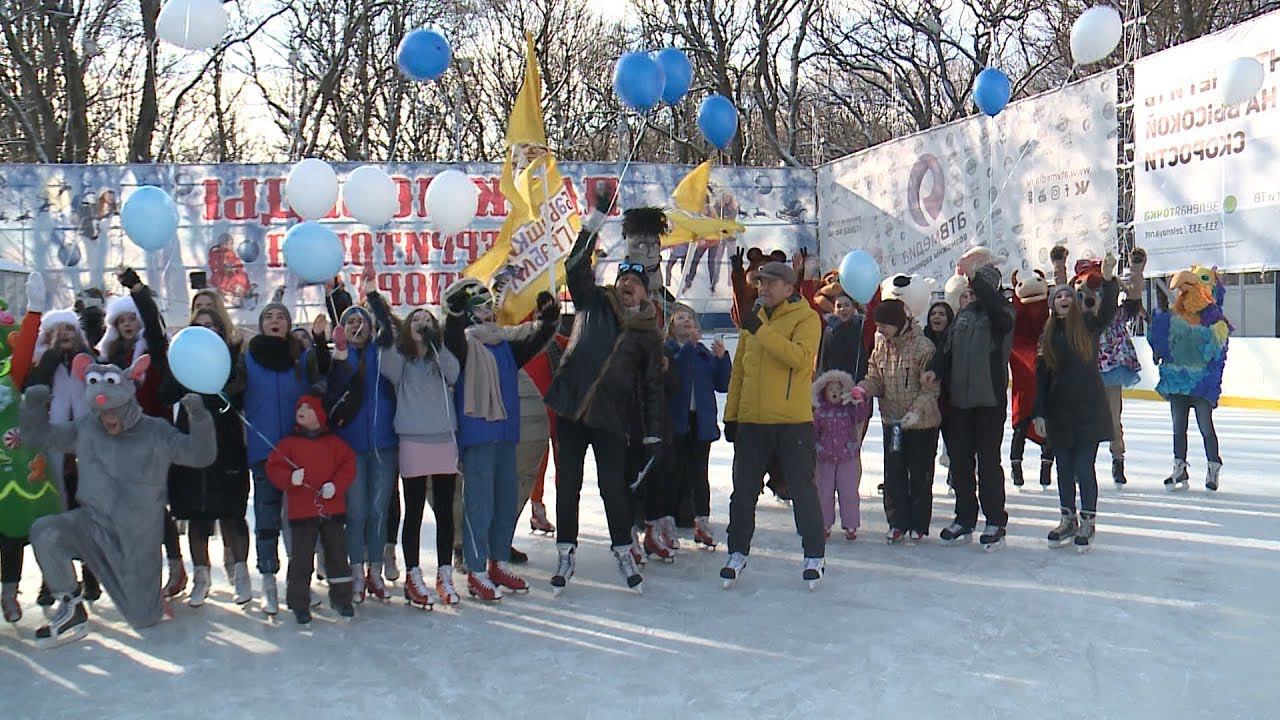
[
  {"x": 455, "y": 300},
  {"x": 328, "y": 490},
  {"x": 730, "y": 430},
  {"x": 857, "y": 395},
  {"x": 1109, "y": 267},
  {"x": 1038, "y": 424},
  {"x": 910, "y": 420},
  {"x": 548, "y": 307},
  {"x": 1138, "y": 260},
  {"x": 750, "y": 320},
  {"x": 736, "y": 260},
  {"x": 1058, "y": 255},
  {"x": 340, "y": 338},
  {"x": 192, "y": 403},
  {"x": 297, "y": 477},
  {"x": 36, "y": 300},
  {"x": 129, "y": 278}
]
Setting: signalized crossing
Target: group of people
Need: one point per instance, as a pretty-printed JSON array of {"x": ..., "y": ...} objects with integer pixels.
[{"x": 330, "y": 429}]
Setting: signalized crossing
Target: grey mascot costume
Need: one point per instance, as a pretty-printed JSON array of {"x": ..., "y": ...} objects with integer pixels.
[{"x": 123, "y": 458}]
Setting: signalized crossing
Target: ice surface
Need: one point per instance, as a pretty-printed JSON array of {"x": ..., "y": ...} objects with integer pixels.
[{"x": 1173, "y": 615}]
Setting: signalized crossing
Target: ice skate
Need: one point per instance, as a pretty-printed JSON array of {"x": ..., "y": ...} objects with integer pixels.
[
  {"x": 69, "y": 622},
  {"x": 850, "y": 535},
  {"x": 481, "y": 587},
  {"x": 44, "y": 598},
  {"x": 628, "y": 568},
  {"x": 347, "y": 611},
  {"x": 732, "y": 570},
  {"x": 415, "y": 590},
  {"x": 538, "y": 522},
  {"x": 814, "y": 569},
  {"x": 501, "y": 575},
  {"x": 880, "y": 489},
  {"x": 1084, "y": 536},
  {"x": 1065, "y": 533},
  {"x": 357, "y": 582},
  {"x": 914, "y": 537},
  {"x": 637, "y": 548},
  {"x": 1211, "y": 478},
  {"x": 244, "y": 588},
  {"x": 667, "y": 533},
  {"x": 1117, "y": 471},
  {"x": 373, "y": 582},
  {"x": 270, "y": 596},
  {"x": 1179, "y": 479},
  {"x": 564, "y": 568},
  {"x": 992, "y": 537},
  {"x": 199, "y": 586},
  {"x": 895, "y": 536},
  {"x": 517, "y": 557},
  {"x": 444, "y": 585},
  {"x": 1015, "y": 472},
  {"x": 390, "y": 570},
  {"x": 653, "y": 544},
  {"x": 702, "y": 536},
  {"x": 955, "y": 534},
  {"x": 1046, "y": 474},
  {"x": 177, "y": 579},
  {"x": 9, "y": 602}
]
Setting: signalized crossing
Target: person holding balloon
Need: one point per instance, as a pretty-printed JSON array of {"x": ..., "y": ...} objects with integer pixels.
[{"x": 219, "y": 492}]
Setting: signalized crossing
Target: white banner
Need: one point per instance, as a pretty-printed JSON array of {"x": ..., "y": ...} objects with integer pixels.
[
  {"x": 1040, "y": 173},
  {"x": 1205, "y": 183}
]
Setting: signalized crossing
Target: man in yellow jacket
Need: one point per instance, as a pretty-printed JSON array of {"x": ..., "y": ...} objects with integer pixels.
[{"x": 769, "y": 416}]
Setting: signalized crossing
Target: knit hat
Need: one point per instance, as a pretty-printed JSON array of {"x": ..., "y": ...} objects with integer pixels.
[
  {"x": 777, "y": 271},
  {"x": 288, "y": 316},
  {"x": 50, "y": 320},
  {"x": 316, "y": 403},
  {"x": 118, "y": 307},
  {"x": 892, "y": 312}
]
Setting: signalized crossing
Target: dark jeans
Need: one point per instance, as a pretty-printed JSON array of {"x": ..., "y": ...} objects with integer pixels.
[
  {"x": 1180, "y": 406},
  {"x": 908, "y": 480},
  {"x": 791, "y": 446},
  {"x": 688, "y": 461},
  {"x": 610, "y": 453},
  {"x": 974, "y": 448},
  {"x": 268, "y": 504},
  {"x": 1018, "y": 444},
  {"x": 332, "y": 533},
  {"x": 235, "y": 535},
  {"x": 1076, "y": 467},
  {"x": 443, "y": 488}
]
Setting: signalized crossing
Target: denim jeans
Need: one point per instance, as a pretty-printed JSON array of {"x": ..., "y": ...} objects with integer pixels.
[
  {"x": 268, "y": 506},
  {"x": 489, "y": 496},
  {"x": 368, "y": 500},
  {"x": 1076, "y": 467},
  {"x": 1180, "y": 406}
]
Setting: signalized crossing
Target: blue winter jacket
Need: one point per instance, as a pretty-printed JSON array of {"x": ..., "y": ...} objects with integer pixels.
[
  {"x": 478, "y": 431},
  {"x": 270, "y": 401},
  {"x": 373, "y": 427},
  {"x": 701, "y": 376}
]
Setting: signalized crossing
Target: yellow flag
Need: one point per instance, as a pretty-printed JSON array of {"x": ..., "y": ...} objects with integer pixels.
[
  {"x": 542, "y": 219},
  {"x": 688, "y": 219}
]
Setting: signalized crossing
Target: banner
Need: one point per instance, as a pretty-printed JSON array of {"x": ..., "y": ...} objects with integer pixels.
[
  {"x": 63, "y": 220},
  {"x": 1040, "y": 173},
  {"x": 1205, "y": 188}
]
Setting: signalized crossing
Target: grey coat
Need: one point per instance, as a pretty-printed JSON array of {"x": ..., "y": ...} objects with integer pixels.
[{"x": 424, "y": 399}]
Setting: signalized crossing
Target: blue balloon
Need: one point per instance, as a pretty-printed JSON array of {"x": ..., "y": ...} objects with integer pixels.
[
  {"x": 991, "y": 91},
  {"x": 638, "y": 81},
  {"x": 199, "y": 359},
  {"x": 718, "y": 120},
  {"x": 859, "y": 276},
  {"x": 150, "y": 218},
  {"x": 423, "y": 55},
  {"x": 677, "y": 74},
  {"x": 312, "y": 252}
]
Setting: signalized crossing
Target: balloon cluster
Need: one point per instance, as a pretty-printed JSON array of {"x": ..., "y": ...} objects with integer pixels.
[{"x": 642, "y": 80}]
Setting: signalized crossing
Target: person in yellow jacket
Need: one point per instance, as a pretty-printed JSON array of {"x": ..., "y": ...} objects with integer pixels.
[{"x": 769, "y": 416}]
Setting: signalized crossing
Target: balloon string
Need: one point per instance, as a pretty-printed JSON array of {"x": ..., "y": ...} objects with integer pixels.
[{"x": 251, "y": 426}]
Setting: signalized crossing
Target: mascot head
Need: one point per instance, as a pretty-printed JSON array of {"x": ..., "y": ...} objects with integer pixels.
[
  {"x": 913, "y": 290},
  {"x": 112, "y": 392},
  {"x": 1030, "y": 288},
  {"x": 642, "y": 231},
  {"x": 1197, "y": 289},
  {"x": 479, "y": 306}
]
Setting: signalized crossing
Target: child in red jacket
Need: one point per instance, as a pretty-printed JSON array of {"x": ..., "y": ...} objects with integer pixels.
[{"x": 314, "y": 468}]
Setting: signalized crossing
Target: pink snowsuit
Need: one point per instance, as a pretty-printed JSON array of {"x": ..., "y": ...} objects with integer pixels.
[{"x": 839, "y": 470}]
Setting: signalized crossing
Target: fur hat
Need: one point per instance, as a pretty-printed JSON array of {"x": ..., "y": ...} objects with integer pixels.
[
  {"x": 840, "y": 377},
  {"x": 118, "y": 307},
  {"x": 892, "y": 312},
  {"x": 316, "y": 403},
  {"x": 52, "y": 319},
  {"x": 955, "y": 287}
]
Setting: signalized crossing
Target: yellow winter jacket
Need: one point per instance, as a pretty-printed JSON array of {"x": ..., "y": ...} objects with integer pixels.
[{"x": 773, "y": 367}]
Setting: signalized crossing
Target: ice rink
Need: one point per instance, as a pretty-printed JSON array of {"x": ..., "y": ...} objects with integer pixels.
[{"x": 1173, "y": 615}]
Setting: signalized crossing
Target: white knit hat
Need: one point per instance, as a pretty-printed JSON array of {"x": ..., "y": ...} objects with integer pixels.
[
  {"x": 122, "y": 305},
  {"x": 52, "y": 319}
]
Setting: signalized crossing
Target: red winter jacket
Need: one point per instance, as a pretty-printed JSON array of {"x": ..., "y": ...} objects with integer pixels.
[{"x": 324, "y": 458}]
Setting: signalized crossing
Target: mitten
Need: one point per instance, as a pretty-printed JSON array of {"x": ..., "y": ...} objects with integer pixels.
[
  {"x": 36, "y": 301},
  {"x": 297, "y": 477},
  {"x": 328, "y": 490}
]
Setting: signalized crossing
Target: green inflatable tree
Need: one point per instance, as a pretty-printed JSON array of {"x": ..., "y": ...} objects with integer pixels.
[{"x": 26, "y": 490}]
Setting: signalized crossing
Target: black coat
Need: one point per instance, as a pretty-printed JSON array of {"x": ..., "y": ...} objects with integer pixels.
[
  {"x": 222, "y": 489},
  {"x": 1072, "y": 399},
  {"x": 842, "y": 348}
]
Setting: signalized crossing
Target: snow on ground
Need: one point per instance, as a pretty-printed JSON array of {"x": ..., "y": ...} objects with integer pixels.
[{"x": 1173, "y": 615}]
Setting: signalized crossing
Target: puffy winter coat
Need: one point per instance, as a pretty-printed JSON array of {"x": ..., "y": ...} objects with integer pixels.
[
  {"x": 842, "y": 347},
  {"x": 701, "y": 375},
  {"x": 324, "y": 457},
  {"x": 626, "y": 395},
  {"x": 895, "y": 376},
  {"x": 974, "y": 361},
  {"x": 1071, "y": 397},
  {"x": 773, "y": 367},
  {"x": 270, "y": 395}
]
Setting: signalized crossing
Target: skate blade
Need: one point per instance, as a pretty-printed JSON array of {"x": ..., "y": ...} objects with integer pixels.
[
  {"x": 961, "y": 540},
  {"x": 728, "y": 584},
  {"x": 1082, "y": 549},
  {"x": 992, "y": 547},
  {"x": 638, "y": 589},
  {"x": 69, "y": 636},
  {"x": 557, "y": 591},
  {"x": 1055, "y": 544},
  {"x": 813, "y": 584}
]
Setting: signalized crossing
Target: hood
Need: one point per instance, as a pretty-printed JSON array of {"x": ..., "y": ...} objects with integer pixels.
[{"x": 840, "y": 377}]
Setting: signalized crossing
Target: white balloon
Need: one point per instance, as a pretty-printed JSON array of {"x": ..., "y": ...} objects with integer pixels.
[
  {"x": 1095, "y": 34},
  {"x": 192, "y": 24},
  {"x": 371, "y": 196},
  {"x": 1241, "y": 79},
  {"x": 451, "y": 201},
  {"x": 312, "y": 189}
]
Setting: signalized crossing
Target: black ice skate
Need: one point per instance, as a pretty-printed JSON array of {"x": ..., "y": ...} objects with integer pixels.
[
  {"x": 1084, "y": 536},
  {"x": 992, "y": 538},
  {"x": 1065, "y": 533},
  {"x": 955, "y": 534},
  {"x": 1179, "y": 479},
  {"x": 70, "y": 622},
  {"x": 732, "y": 570}
]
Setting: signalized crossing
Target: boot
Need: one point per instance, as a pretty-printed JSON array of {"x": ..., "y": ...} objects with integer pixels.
[
  {"x": 1084, "y": 536},
  {"x": 69, "y": 622},
  {"x": 1211, "y": 479},
  {"x": 1117, "y": 471},
  {"x": 1065, "y": 533},
  {"x": 9, "y": 602},
  {"x": 502, "y": 576},
  {"x": 390, "y": 570},
  {"x": 199, "y": 586},
  {"x": 564, "y": 568},
  {"x": 415, "y": 590},
  {"x": 653, "y": 544},
  {"x": 1015, "y": 471},
  {"x": 627, "y": 567},
  {"x": 480, "y": 586},
  {"x": 637, "y": 548},
  {"x": 538, "y": 521},
  {"x": 177, "y": 578},
  {"x": 702, "y": 533},
  {"x": 732, "y": 569},
  {"x": 1046, "y": 473},
  {"x": 444, "y": 585},
  {"x": 302, "y": 616},
  {"x": 373, "y": 582},
  {"x": 814, "y": 569},
  {"x": 357, "y": 582},
  {"x": 270, "y": 595},
  {"x": 244, "y": 588},
  {"x": 1179, "y": 478}
]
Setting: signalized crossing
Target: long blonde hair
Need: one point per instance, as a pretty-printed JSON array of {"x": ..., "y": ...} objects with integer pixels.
[
  {"x": 219, "y": 312},
  {"x": 1078, "y": 336}
]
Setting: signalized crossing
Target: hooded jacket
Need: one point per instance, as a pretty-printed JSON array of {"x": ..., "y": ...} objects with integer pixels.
[
  {"x": 895, "y": 376},
  {"x": 700, "y": 375},
  {"x": 973, "y": 364},
  {"x": 773, "y": 367},
  {"x": 836, "y": 425}
]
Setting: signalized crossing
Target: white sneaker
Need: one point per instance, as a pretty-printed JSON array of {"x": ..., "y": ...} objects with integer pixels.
[
  {"x": 244, "y": 588},
  {"x": 199, "y": 586},
  {"x": 732, "y": 570},
  {"x": 270, "y": 596}
]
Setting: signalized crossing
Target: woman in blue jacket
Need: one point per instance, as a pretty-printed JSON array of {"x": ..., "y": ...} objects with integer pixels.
[{"x": 702, "y": 373}]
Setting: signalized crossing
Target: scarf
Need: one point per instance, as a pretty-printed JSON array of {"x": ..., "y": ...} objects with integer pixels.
[
  {"x": 272, "y": 353},
  {"x": 482, "y": 395}
]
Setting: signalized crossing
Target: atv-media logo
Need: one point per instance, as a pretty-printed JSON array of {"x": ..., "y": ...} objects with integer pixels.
[{"x": 925, "y": 209}]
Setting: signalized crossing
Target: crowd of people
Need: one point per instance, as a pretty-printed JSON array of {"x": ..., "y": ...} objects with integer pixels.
[{"x": 345, "y": 430}]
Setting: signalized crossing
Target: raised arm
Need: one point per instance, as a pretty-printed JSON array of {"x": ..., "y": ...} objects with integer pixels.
[
  {"x": 23, "y": 343},
  {"x": 580, "y": 276},
  {"x": 198, "y": 447},
  {"x": 382, "y": 315},
  {"x": 985, "y": 285},
  {"x": 455, "y": 338},
  {"x": 526, "y": 348},
  {"x": 152, "y": 325},
  {"x": 37, "y": 431}
]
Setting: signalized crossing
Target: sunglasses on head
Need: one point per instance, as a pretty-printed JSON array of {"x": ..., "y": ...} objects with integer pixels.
[{"x": 635, "y": 267}]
